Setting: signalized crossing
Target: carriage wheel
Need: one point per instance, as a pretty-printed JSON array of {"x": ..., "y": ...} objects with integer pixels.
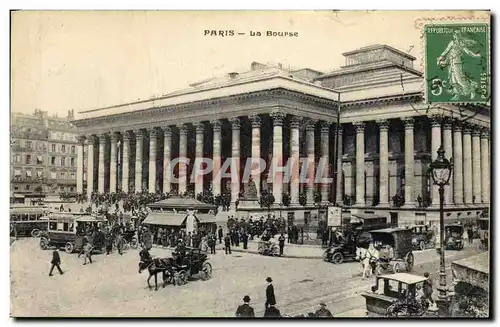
[
  {"x": 337, "y": 258},
  {"x": 396, "y": 268},
  {"x": 206, "y": 270},
  {"x": 260, "y": 250},
  {"x": 409, "y": 261},
  {"x": 379, "y": 269},
  {"x": 422, "y": 245},
  {"x": 68, "y": 247},
  {"x": 325, "y": 256},
  {"x": 35, "y": 232},
  {"x": 44, "y": 243},
  {"x": 134, "y": 244},
  {"x": 183, "y": 278}
]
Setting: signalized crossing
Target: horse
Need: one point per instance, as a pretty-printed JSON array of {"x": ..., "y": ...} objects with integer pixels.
[
  {"x": 154, "y": 267},
  {"x": 365, "y": 257}
]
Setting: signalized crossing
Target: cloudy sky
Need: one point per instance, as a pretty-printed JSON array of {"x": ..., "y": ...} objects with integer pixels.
[{"x": 84, "y": 60}]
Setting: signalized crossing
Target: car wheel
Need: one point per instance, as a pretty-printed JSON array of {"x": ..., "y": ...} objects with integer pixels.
[
  {"x": 325, "y": 257},
  {"x": 337, "y": 258},
  {"x": 35, "y": 232},
  {"x": 421, "y": 245},
  {"x": 44, "y": 243},
  {"x": 396, "y": 267},
  {"x": 206, "y": 271},
  {"x": 69, "y": 247}
]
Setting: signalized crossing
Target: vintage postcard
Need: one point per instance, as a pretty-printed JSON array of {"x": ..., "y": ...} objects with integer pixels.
[{"x": 250, "y": 164}]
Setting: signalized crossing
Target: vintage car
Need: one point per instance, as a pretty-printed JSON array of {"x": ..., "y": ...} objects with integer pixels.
[
  {"x": 399, "y": 240},
  {"x": 346, "y": 250},
  {"x": 66, "y": 230},
  {"x": 396, "y": 296},
  {"x": 454, "y": 236},
  {"x": 28, "y": 220},
  {"x": 195, "y": 262},
  {"x": 422, "y": 237}
]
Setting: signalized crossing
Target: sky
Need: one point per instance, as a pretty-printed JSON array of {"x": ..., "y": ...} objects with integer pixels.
[{"x": 81, "y": 60}]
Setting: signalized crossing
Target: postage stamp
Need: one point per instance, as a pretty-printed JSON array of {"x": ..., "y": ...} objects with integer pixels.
[{"x": 457, "y": 61}]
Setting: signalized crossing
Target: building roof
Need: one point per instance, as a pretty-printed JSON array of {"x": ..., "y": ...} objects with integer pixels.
[
  {"x": 378, "y": 46},
  {"x": 177, "y": 202},
  {"x": 165, "y": 219},
  {"x": 405, "y": 278}
]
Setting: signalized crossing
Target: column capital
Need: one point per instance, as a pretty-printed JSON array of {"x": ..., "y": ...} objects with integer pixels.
[
  {"x": 278, "y": 116},
  {"x": 167, "y": 131},
  {"x": 435, "y": 120},
  {"x": 383, "y": 125},
  {"x": 103, "y": 138},
  {"x": 447, "y": 124},
  {"x": 256, "y": 121},
  {"x": 485, "y": 133},
  {"x": 200, "y": 128},
  {"x": 476, "y": 131},
  {"x": 467, "y": 128},
  {"x": 216, "y": 125},
  {"x": 310, "y": 124},
  {"x": 81, "y": 139},
  {"x": 183, "y": 129},
  {"x": 114, "y": 137},
  {"x": 153, "y": 132},
  {"x": 325, "y": 127},
  {"x": 127, "y": 135},
  {"x": 139, "y": 133},
  {"x": 296, "y": 121},
  {"x": 408, "y": 122},
  {"x": 340, "y": 129},
  {"x": 457, "y": 127},
  {"x": 360, "y": 126},
  {"x": 235, "y": 122}
]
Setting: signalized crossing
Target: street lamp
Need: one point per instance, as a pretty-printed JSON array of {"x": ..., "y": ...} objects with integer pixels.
[{"x": 440, "y": 170}]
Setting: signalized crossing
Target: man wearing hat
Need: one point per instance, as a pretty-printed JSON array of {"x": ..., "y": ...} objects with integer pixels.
[
  {"x": 323, "y": 312},
  {"x": 245, "y": 310},
  {"x": 270, "y": 298}
]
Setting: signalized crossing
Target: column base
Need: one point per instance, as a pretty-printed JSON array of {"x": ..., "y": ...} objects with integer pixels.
[
  {"x": 383, "y": 205},
  {"x": 325, "y": 203},
  {"x": 359, "y": 205},
  {"x": 409, "y": 205}
]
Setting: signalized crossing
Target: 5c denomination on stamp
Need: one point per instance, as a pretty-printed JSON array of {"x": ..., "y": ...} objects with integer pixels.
[{"x": 457, "y": 63}]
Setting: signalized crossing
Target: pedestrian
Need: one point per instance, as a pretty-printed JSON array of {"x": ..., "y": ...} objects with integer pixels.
[
  {"x": 281, "y": 241},
  {"x": 244, "y": 239},
  {"x": 220, "y": 234},
  {"x": 323, "y": 312},
  {"x": 119, "y": 244},
  {"x": 227, "y": 243},
  {"x": 428, "y": 287},
  {"x": 470, "y": 235},
  {"x": 324, "y": 238},
  {"x": 88, "y": 253},
  {"x": 270, "y": 298},
  {"x": 272, "y": 312},
  {"x": 56, "y": 262},
  {"x": 108, "y": 243},
  {"x": 211, "y": 243},
  {"x": 245, "y": 310}
]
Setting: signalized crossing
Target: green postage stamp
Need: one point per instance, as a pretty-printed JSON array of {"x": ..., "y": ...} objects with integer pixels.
[{"x": 457, "y": 63}]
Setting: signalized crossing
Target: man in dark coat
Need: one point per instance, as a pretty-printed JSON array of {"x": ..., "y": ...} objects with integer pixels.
[
  {"x": 108, "y": 243},
  {"x": 272, "y": 312},
  {"x": 244, "y": 239},
  {"x": 281, "y": 241},
  {"x": 245, "y": 310},
  {"x": 227, "y": 243},
  {"x": 270, "y": 298},
  {"x": 211, "y": 243},
  {"x": 323, "y": 312},
  {"x": 220, "y": 234},
  {"x": 56, "y": 261}
]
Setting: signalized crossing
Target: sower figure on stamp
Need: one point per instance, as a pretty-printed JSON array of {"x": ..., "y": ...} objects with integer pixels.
[{"x": 56, "y": 262}]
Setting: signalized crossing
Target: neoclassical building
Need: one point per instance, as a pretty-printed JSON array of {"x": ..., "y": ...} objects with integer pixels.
[{"x": 388, "y": 136}]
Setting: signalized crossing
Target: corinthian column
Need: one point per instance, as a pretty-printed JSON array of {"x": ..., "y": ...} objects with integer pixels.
[
  {"x": 256, "y": 123},
  {"x": 113, "y": 163},
  {"x": 448, "y": 153},
  {"x": 79, "y": 164},
  {"x": 339, "y": 199},
  {"x": 278, "y": 117},
  {"x": 467, "y": 144},
  {"x": 409, "y": 158},
  {"x": 153, "y": 136},
  {"x": 91, "y": 139},
  {"x": 167, "y": 156},
  {"x": 360, "y": 163},
  {"x": 485, "y": 166},
  {"x": 198, "y": 182},
  {"x": 139, "y": 140},
  {"x": 183, "y": 132},
  {"x": 310, "y": 160},
  {"x": 216, "y": 177},
  {"x": 435, "y": 144},
  {"x": 235, "y": 160},
  {"x": 325, "y": 136},
  {"x": 126, "y": 162},
  {"x": 101, "y": 175},
  {"x": 295, "y": 157},
  {"x": 383, "y": 126},
  {"x": 476, "y": 165},
  {"x": 458, "y": 181}
]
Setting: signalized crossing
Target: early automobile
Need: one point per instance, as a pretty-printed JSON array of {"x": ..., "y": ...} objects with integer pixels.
[
  {"x": 28, "y": 220},
  {"x": 454, "y": 236},
  {"x": 395, "y": 248},
  {"x": 195, "y": 262},
  {"x": 68, "y": 230},
  {"x": 268, "y": 248},
  {"x": 396, "y": 296},
  {"x": 422, "y": 237}
]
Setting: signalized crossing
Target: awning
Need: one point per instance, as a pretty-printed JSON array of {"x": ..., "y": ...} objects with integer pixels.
[
  {"x": 164, "y": 219},
  {"x": 472, "y": 270},
  {"x": 205, "y": 218}
]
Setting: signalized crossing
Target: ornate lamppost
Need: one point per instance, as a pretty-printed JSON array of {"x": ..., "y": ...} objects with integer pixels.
[{"x": 440, "y": 170}]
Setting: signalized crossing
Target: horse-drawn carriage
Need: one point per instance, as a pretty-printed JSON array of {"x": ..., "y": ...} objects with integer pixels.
[
  {"x": 395, "y": 249},
  {"x": 454, "y": 238},
  {"x": 396, "y": 296},
  {"x": 268, "y": 248},
  {"x": 67, "y": 230}
]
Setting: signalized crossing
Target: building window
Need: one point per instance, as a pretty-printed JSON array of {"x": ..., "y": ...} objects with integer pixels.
[
  {"x": 17, "y": 172},
  {"x": 63, "y": 148},
  {"x": 72, "y": 162},
  {"x": 53, "y": 175},
  {"x": 28, "y": 174},
  {"x": 53, "y": 148},
  {"x": 16, "y": 187},
  {"x": 28, "y": 159},
  {"x": 63, "y": 175},
  {"x": 63, "y": 161},
  {"x": 71, "y": 188},
  {"x": 73, "y": 176},
  {"x": 53, "y": 161},
  {"x": 28, "y": 145},
  {"x": 73, "y": 149},
  {"x": 39, "y": 174},
  {"x": 28, "y": 186},
  {"x": 18, "y": 158},
  {"x": 39, "y": 160}
]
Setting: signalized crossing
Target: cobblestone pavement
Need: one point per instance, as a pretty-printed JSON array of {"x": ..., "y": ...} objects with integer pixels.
[{"x": 112, "y": 286}]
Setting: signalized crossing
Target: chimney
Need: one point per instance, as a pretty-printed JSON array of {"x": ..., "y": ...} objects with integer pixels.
[
  {"x": 257, "y": 66},
  {"x": 233, "y": 75}
]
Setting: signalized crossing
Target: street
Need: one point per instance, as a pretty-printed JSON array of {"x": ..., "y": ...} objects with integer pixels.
[{"x": 112, "y": 286}]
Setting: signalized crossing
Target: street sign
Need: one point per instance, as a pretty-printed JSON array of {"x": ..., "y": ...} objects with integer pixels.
[{"x": 334, "y": 216}]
